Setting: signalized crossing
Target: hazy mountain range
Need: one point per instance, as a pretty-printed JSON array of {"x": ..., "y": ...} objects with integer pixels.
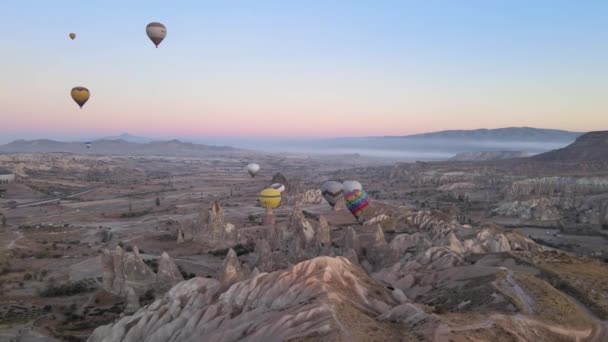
[
  {"x": 427, "y": 146},
  {"x": 116, "y": 147}
]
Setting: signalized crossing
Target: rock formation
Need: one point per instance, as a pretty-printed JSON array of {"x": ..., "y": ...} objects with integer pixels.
[
  {"x": 312, "y": 300},
  {"x": 351, "y": 241},
  {"x": 211, "y": 228},
  {"x": 231, "y": 271},
  {"x": 263, "y": 256},
  {"x": 125, "y": 272},
  {"x": 124, "y": 269},
  {"x": 323, "y": 233},
  {"x": 168, "y": 274}
]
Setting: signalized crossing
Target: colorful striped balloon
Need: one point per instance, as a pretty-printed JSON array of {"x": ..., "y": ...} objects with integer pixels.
[{"x": 356, "y": 201}]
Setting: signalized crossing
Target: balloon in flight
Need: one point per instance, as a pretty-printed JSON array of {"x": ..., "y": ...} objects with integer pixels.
[
  {"x": 253, "y": 169},
  {"x": 356, "y": 201},
  {"x": 88, "y": 145},
  {"x": 80, "y": 95},
  {"x": 156, "y": 32},
  {"x": 72, "y": 36},
  {"x": 278, "y": 186},
  {"x": 351, "y": 185},
  {"x": 270, "y": 198},
  {"x": 332, "y": 192}
]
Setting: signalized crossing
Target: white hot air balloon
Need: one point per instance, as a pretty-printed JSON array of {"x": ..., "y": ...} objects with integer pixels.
[
  {"x": 278, "y": 186},
  {"x": 253, "y": 168},
  {"x": 332, "y": 192},
  {"x": 351, "y": 185}
]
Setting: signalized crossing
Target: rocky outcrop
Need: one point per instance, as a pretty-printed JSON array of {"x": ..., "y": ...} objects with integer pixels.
[
  {"x": 376, "y": 219},
  {"x": 539, "y": 209},
  {"x": 351, "y": 241},
  {"x": 263, "y": 256},
  {"x": 457, "y": 186},
  {"x": 493, "y": 240},
  {"x": 168, "y": 274},
  {"x": 379, "y": 254},
  {"x": 314, "y": 299},
  {"x": 231, "y": 271},
  {"x": 211, "y": 228},
  {"x": 125, "y": 269},
  {"x": 550, "y": 186},
  {"x": 323, "y": 233},
  {"x": 132, "y": 301},
  {"x": 299, "y": 239},
  {"x": 412, "y": 243},
  {"x": 124, "y": 272},
  {"x": 308, "y": 196}
]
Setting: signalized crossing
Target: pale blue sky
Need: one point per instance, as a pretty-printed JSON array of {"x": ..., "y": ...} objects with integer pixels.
[{"x": 305, "y": 68}]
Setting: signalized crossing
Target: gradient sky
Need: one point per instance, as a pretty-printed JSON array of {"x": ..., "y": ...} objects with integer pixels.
[{"x": 302, "y": 68}]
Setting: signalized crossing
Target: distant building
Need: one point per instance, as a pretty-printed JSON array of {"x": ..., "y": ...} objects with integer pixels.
[{"x": 6, "y": 176}]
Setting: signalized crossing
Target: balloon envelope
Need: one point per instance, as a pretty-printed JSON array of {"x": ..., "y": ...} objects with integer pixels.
[
  {"x": 278, "y": 186},
  {"x": 253, "y": 168},
  {"x": 270, "y": 198},
  {"x": 156, "y": 32},
  {"x": 80, "y": 95},
  {"x": 72, "y": 36},
  {"x": 351, "y": 185},
  {"x": 356, "y": 202},
  {"x": 332, "y": 192}
]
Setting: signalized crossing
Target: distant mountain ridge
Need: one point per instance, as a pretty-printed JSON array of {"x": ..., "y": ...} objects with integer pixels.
[
  {"x": 499, "y": 134},
  {"x": 592, "y": 146},
  {"x": 130, "y": 138},
  {"x": 441, "y": 145},
  {"x": 445, "y": 144},
  {"x": 115, "y": 147}
]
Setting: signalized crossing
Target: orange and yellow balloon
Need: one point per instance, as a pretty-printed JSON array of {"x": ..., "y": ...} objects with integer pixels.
[
  {"x": 270, "y": 198},
  {"x": 80, "y": 95}
]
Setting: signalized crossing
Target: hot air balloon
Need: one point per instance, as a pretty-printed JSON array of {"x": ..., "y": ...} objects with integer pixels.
[
  {"x": 72, "y": 36},
  {"x": 80, "y": 95},
  {"x": 88, "y": 145},
  {"x": 351, "y": 185},
  {"x": 253, "y": 168},
  {"x": 156, "y": 32},
  {"x": 332, "y": 192},
  {"x": 278, "y": 186},
  {"x": 356, "y": 201},
  {"x": 270, "y": 198}
]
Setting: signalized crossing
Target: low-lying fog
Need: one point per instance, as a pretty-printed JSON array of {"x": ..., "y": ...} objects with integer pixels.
[{"x": 391, "y": 148}]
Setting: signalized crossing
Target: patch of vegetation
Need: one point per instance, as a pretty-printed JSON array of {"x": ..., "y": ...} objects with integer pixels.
[
  {"x": 147, "y": 298},
  {"x": 132, "y": 214},
  {"x": 185, "y": 274},
  {"x": 153, "y": 264},
  {"x": 67, "y": 289},
  {"x": 239, "y": 248}
]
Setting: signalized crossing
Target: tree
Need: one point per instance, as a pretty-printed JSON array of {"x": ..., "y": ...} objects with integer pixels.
[
  {"x": 3, "y": 221},
  {"x": 157, "y": 202},
  {"x": 130, "y": 207}
]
